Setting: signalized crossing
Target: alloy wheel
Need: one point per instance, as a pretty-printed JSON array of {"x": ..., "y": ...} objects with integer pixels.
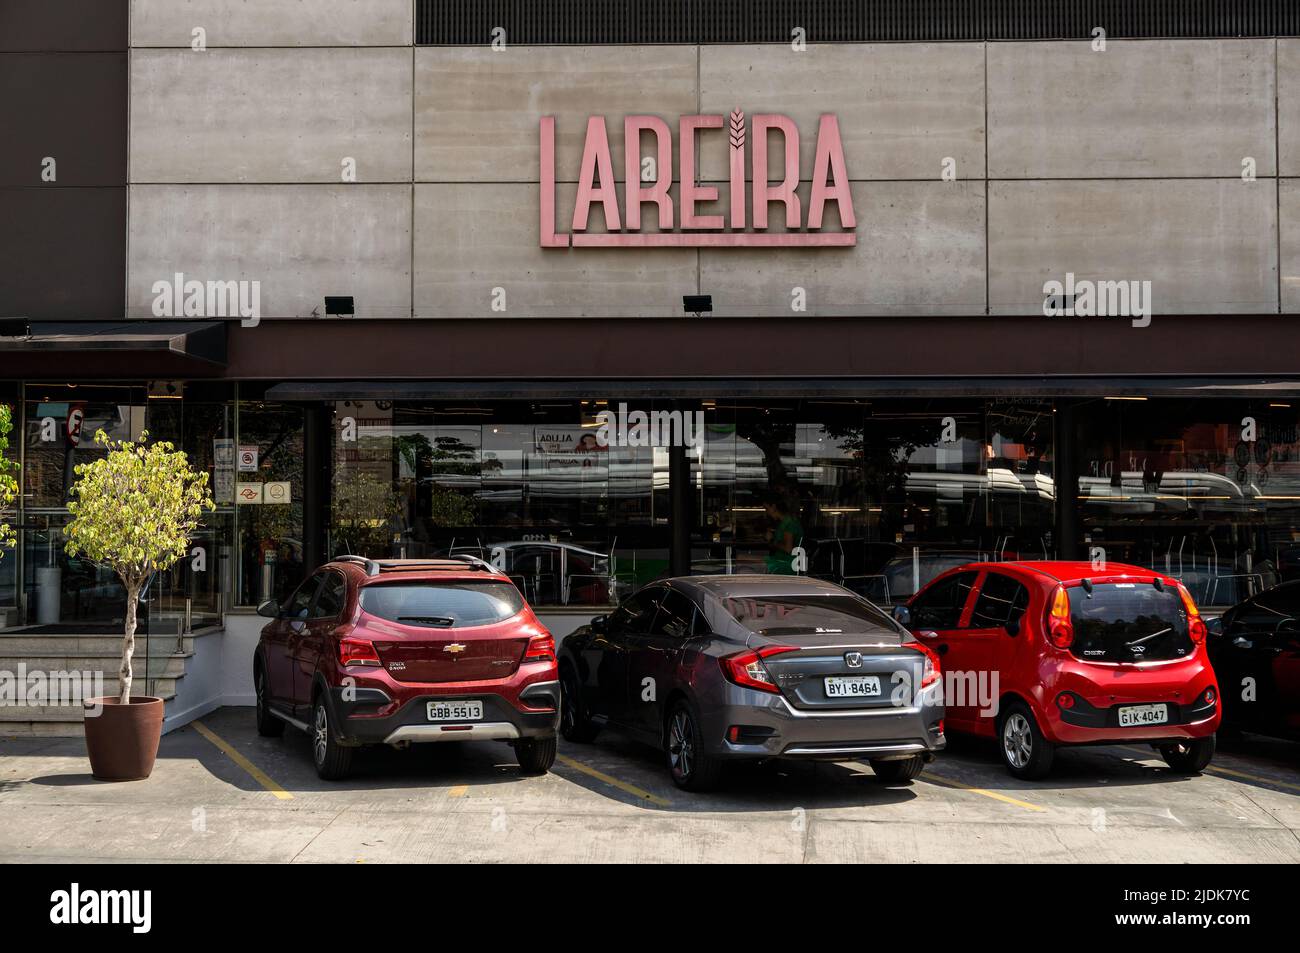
[
  {"x": 568, "y": 715},
  {"x": 1017, "y": 740},
  {"x": 320, "y": 734},
  {"x": 681, "y": 744}
]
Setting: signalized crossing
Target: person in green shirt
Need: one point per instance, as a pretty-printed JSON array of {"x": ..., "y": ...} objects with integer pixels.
[{"x": 782, "y": 538}]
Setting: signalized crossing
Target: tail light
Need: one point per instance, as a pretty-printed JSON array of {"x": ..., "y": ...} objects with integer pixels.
[
  {"x": 1060, "y": 630},
  {"x": 930, "y": 673},
  {"x": 541, "y": 648},
  {"x": 1195, "y": 624},
  {"x": 1065, "y": 701},
  {"x": 747, "y": 670},
  {"x": 357, "y": 652}
]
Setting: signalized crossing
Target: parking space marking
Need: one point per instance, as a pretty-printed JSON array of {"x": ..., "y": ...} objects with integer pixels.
[
  {"x": 457, "y": 791},
  {"x": 1222, "y": 771},
  {"x": 257, "y": 774},
  {"x": 612, "y": 781},
  {"x": 940, "y": 779}
]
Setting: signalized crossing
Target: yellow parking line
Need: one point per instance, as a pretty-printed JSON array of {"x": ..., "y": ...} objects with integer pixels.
[
  {"x": 257, "y": 773},
  {"x": 940, "y": 779},
  {"x": 1225, "y": 772},
  {"x": 612, "y": 781},
  {"x": 458, "y": 791}
]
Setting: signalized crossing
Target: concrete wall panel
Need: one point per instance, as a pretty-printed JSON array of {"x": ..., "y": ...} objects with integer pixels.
[
  {"x": 1206, "y": 245},
  {"x": 920, "y": 251},
  {"x": 302, "y": 242},
  {"x": 477, "y": 112},
  {"x": 170, "y": 23},
  {"x": 903, "y": 108},
  {"x": 270, "y": 115},
  {"x": 1142, "y": 108},
  {"x": 1288, "y": 106},
  {"x": 1289, "y": 208},
  {"x": 470, "y": 239}
]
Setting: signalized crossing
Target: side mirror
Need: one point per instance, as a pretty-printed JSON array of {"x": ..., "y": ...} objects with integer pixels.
[
  {"x": 1013, "y": 629},
  {"x": 903, "y": 616},
  {"x": 269, "y": 609},
  {"x": 600, "y": 623}
]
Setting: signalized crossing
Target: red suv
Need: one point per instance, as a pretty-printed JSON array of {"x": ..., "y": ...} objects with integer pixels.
[
  {"x": 401, "y": 651},
  {"x": 1042, "y": 654}
]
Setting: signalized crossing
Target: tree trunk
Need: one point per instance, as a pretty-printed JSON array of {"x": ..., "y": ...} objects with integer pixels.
[{"x": 128, "y": 644}]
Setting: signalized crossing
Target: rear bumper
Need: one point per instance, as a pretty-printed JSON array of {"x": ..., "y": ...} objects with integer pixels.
[
  {"x": 501, "y": 721},
  {"x": 769, "y": 727}
]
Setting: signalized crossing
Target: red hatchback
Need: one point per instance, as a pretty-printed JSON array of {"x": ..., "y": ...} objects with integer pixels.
[
  {"x": 1043, "y": 654},
  {"x": 407, "y": 651}
]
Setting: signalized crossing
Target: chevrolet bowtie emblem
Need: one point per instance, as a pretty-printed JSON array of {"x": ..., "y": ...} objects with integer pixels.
[{"x": 455, "y": 648}]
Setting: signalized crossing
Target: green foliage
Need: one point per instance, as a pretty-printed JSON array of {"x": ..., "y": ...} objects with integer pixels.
[
  {"x": 136, "y": 509},
  {"x": 8, "y": 482}
]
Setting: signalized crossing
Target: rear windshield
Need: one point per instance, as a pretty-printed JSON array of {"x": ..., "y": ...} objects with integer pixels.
[
  {"x": 443, "y": 605},
  {"x": 787, "y": 616},
  {"x": 1128, "y": 622}
]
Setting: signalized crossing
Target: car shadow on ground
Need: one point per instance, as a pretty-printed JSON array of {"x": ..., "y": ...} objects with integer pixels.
[
  {"x": 976, "y": 761},
  {"x": 776, "y": 785}
]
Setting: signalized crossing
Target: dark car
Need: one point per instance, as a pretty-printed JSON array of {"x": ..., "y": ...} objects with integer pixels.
[
  {"x": 407, "y": 651},
  {"x": 1255, "y": 650},
  {"x": 714, "y": 669}
]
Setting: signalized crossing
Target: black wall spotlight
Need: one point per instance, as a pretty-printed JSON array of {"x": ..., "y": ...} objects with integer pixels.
[
  {"x": 340, "y": 305},
  {"x": 697, "y": 304}
]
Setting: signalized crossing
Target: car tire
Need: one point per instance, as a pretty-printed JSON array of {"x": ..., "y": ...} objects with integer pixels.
[
  {"x": 691, "y": 767},
  {"x": 268, "y": 726},
  {"x": 898, "y": 771},
  {"x": 536, "y": 755},
  {"x": 1189, "y": 757},
  {"x": 1025, "y": 752},
  {"x": 333, "y": 761},
  {"x": 574, "y": 723}
]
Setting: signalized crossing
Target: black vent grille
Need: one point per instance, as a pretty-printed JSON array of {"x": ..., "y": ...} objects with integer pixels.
[{"x": 600, "y": 22}]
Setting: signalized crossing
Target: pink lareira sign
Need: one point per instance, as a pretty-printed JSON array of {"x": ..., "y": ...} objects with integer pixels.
[{"x": 686, "y": 226}]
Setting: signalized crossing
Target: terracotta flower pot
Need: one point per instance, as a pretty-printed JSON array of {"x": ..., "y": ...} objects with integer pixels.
[{"x": 122, "y": 740}]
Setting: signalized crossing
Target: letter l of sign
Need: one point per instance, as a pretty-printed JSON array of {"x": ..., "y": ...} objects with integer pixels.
[{"x": 548, "y": 235}]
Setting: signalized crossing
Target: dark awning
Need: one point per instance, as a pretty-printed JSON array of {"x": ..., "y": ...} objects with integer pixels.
[
  {"x": 757, "y": 388},
  {"x": 115, "y": 349}
]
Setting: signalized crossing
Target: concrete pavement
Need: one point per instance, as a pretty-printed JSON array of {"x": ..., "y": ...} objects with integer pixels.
[{"x": 612, "y": 801}]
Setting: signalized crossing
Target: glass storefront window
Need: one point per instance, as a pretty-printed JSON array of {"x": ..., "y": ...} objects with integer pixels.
[
  {"x": 880, "y": 495},
  {"x": 261, "y": 475},
  {"x": 57, "y": 433},
  {"x": 529, "y": 486},
  {"x": 1205, "y": 490}
]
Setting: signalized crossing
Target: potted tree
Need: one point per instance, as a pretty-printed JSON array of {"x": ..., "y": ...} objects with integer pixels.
[{"x": 133, "y": 511}]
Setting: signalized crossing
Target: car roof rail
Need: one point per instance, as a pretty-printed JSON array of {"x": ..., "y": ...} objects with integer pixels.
[
  {"x": 374, "y": 567},
  {"x": 476, "y": 562},
  {"x": 369, "y": 565}
]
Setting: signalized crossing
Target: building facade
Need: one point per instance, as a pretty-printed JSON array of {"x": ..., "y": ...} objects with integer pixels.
[{"x": 1031, "y": 290}]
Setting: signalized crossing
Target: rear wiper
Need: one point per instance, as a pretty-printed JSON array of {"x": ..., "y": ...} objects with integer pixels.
[
  {"x": 439, "y": 620},
  {"x": 1151, "y": 636}
]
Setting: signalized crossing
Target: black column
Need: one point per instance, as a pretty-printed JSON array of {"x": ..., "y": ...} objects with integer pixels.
[
  {"x": 1066, "y": 477},
  {"x": 681, "y": 518},
  {"x": 317, "y": 422}
]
